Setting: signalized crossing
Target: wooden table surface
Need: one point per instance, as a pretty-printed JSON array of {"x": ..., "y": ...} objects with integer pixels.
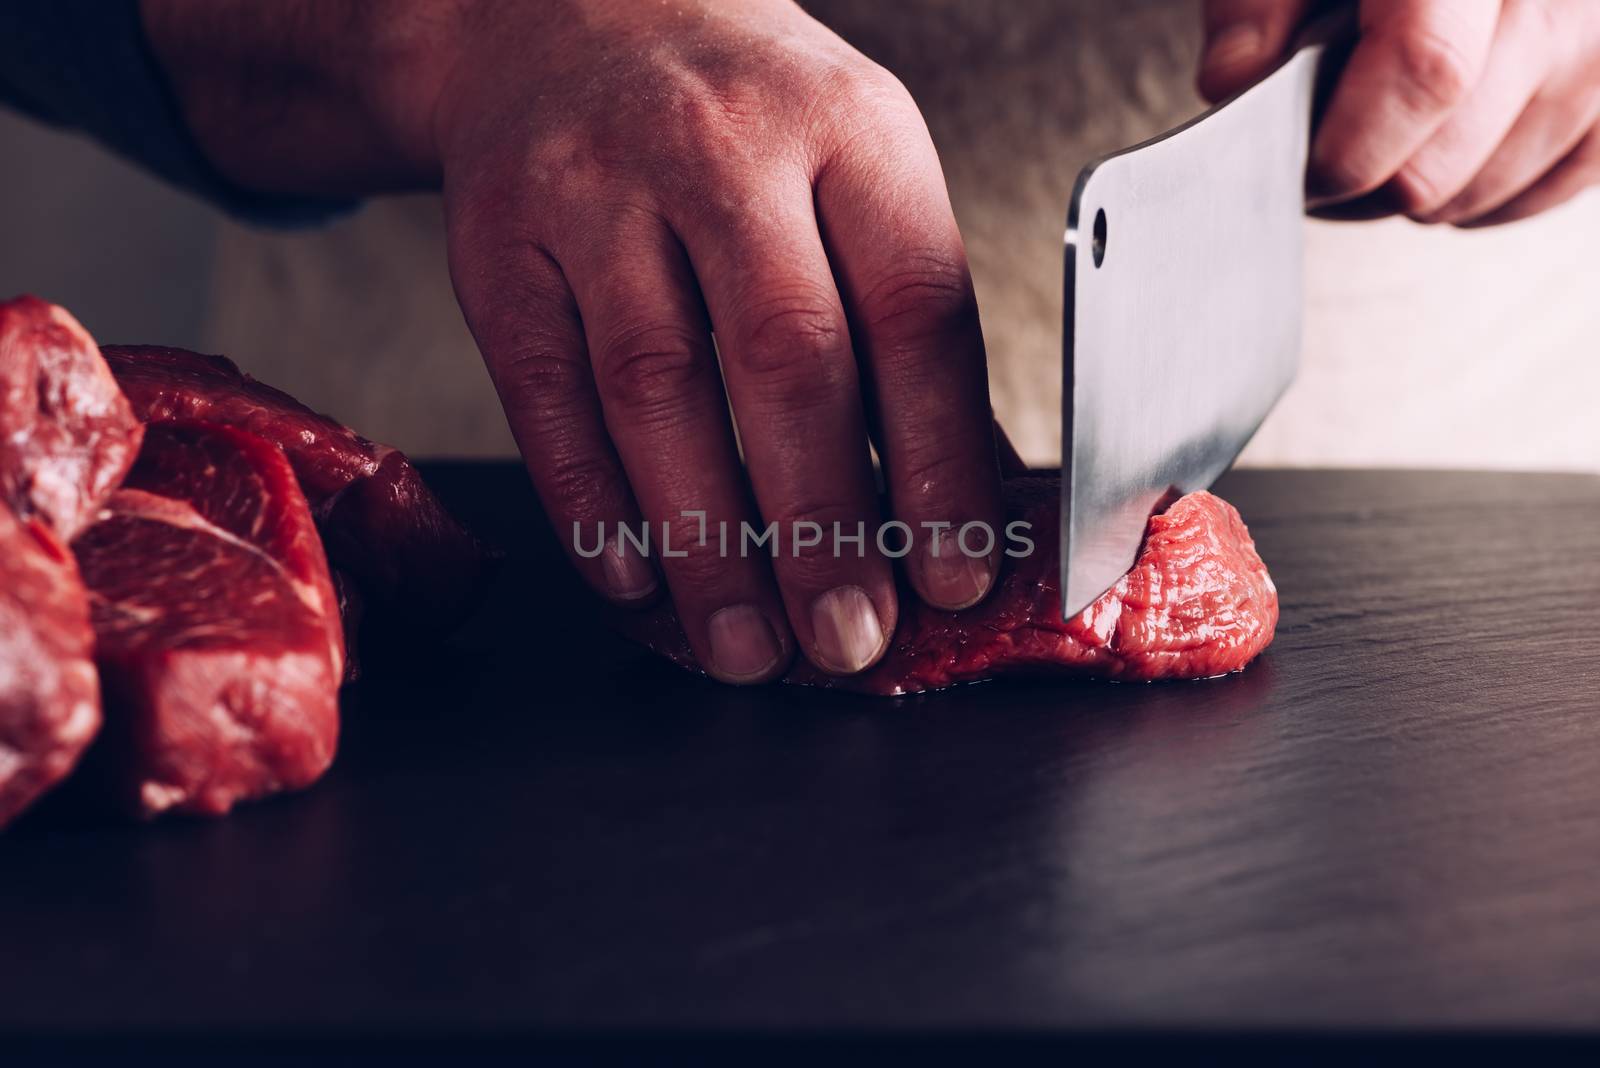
[{"x": 1391, "y": 820}]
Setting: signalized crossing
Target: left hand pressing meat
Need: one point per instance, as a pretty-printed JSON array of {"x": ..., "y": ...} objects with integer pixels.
[
  {"x": 1471, "y": 112},
  {"x": 1197, "y": 602},
  {"x": 621, "y": 179}
]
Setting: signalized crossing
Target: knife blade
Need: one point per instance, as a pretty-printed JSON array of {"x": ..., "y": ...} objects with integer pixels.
[{"x": 1183, "y": 313}]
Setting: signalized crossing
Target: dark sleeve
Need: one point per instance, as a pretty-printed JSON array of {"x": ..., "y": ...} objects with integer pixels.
[{"x": 86, "y": 64}]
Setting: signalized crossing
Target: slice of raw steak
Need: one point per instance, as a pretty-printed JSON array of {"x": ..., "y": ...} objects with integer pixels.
[
  {"x": 1198, "y": 602},
  {"x": 379, "y": 521},
  {"x": 217, "y": 634},
  {"x": 49, "y": 696},
  {"x": 243, "y": 485},
  {"x": 67, "y": 433},
  {"x": 66, "y": 438}
]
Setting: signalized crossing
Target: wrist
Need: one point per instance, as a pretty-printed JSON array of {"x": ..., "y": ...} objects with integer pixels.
[{"x": 314, "y": 97}]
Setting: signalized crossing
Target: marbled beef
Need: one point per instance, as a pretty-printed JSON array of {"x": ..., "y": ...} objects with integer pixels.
[
  {"x": 49, "y": 695},
  {"x": 216, "y": 626},
  {"x": 66, "y": 437},
  {"x": 67, "y": 434},
  {"x": 378, "y": 519}
]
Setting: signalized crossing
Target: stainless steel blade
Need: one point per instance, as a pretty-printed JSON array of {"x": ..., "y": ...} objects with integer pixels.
[{"x": 1184, "y": 274}]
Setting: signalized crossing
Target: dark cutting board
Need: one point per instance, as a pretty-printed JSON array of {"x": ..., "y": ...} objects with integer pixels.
[{"x": 1392, "y": 819}]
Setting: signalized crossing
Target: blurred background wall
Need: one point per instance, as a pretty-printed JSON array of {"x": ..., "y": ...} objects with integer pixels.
[
  {"x": 129, "y": 256},
  {"x": 356, "y": 318},
  {"x": 1424, "y": 346}
]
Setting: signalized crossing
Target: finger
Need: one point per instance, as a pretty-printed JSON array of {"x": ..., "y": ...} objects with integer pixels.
[
  {"x": 665, "y": 409},
  {"x": 1011, "y": 461},
  {"x": 902, "y": 272},
  {"x": 791, "y": 374},
  {"x": 1447, "y": 162},
  {"x": 1415, "y": 62},
  {"x": 523, "y": 317},
  {"x": 1243, "y": 38},
  {"x": 1579, "y": 171},
  {"x": 1546, "y": 134}
]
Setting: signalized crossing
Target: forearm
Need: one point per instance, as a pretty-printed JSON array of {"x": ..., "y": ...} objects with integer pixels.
[{"x": 309, "y": 97}]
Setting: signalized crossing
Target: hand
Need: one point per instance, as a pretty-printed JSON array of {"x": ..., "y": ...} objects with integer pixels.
[
  {"x": 625, "y": 179},
  {"x": 622, "y": 179},
  {"x": 1471, "y": 112}
]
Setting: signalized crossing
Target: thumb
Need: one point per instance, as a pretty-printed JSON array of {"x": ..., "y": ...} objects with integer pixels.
[{"x": 1243, "y": 38}]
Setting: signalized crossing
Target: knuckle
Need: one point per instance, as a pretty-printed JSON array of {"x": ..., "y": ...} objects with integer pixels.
[
  {"x": 1435, "y": 73},
  {"x": 588, "y": 487},
  {"x": 715, "y": 118},
  {"x": 540, "y": 381},
  {"x": 722, "y": 120},
  {"x": 869, "y": 85},
  {"x": 549, "y": 403},
  {"x": 801, "y": 321},
  {"x": 566, "y": 168},
  {"x": 928, "y": 295},
  {"x": 868, "y": 115},
  {"x": 819, "y": 565},
  {"x": 700, "y": 569},
  {"x": 648, "y": 369},
  {"x": 790, "y": 334}
]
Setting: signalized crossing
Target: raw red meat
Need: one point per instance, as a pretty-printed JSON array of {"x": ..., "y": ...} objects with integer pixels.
[
  {"x": 217, "y": 632},
  {"x": 66, "y": 437},
  {"x": 378, "y": 519},
  {"x": 244, "y": 486},
  {"x": 49, "y": 696},
  {"x": 66, "y": 432},
  {"x": 1198, "y": 602}
]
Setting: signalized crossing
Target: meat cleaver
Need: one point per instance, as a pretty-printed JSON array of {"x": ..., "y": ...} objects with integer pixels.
[{"x": 1184, "y": 274}]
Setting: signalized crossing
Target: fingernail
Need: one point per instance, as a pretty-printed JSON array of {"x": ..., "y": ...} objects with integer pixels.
[
  {"x": 1234, "y": 46},
  {"x": 953, "y": 579},
  {"x": 629, "y": 576},
  {"x": 849, "y": 635},
  {"x": 744, "y": 647}
]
